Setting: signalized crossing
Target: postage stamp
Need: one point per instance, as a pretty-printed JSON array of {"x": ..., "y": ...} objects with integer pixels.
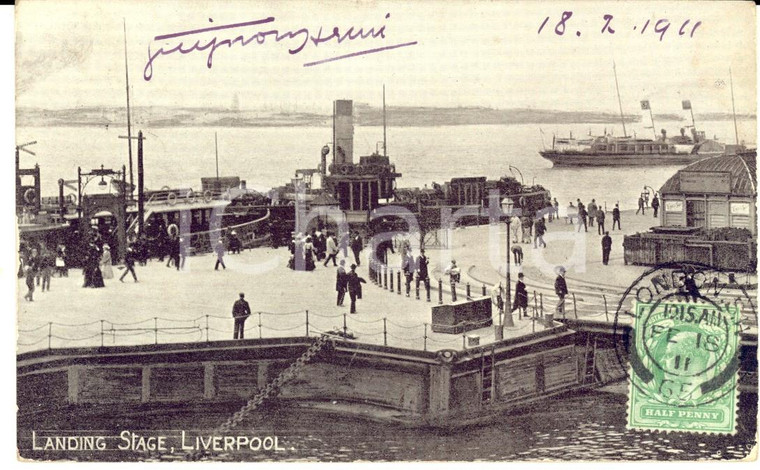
[{"x": 684, "y": 367}]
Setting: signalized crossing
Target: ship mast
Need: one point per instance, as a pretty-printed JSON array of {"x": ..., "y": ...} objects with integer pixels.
[
  {"x": 385, "y": 146},
  {"x": 129, "y": 119},
  {"x": 733, "y": 106},
  {"x": 620, "y": 104}
]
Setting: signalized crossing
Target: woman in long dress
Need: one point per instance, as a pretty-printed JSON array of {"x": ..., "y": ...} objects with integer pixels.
[{"x": 106, "y": 264}]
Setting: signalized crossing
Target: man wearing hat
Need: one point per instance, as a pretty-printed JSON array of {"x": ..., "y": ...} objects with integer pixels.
[
  {"x": 240, "y": 312},
  {"x": 560, "y": 288},
  {"x": 422, "y": 273},
  {"x": 354, "y": 282}
]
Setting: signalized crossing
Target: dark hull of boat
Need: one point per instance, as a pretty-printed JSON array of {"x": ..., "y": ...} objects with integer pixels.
[{"x": 581, "y": 159}]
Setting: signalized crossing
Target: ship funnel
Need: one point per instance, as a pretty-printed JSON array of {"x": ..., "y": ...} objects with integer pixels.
[{"x": 343, "y": 130}]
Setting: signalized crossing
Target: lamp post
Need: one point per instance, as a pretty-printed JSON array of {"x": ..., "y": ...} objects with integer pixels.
[{"x": 507, "y": 205}]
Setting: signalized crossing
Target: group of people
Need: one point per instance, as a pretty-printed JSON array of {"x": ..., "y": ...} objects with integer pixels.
[
  {"x": 37, "y": 265},
  {"x": 306, "y": 250},
  {"x": 587, "y": 215},
  {"x": 644, "y": 201}
]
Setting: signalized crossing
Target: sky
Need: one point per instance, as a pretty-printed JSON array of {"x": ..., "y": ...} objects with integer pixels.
[{"x": 70, "y": 53}]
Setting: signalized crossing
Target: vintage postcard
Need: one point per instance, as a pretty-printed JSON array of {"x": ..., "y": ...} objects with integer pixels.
[{"x": 371, "y": 231}]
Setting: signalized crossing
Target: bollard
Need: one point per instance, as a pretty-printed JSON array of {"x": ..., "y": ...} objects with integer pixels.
[
  {"x": 464, "y": 344},
  {"x": 101, "y": 333},
  {"x": 307, "y": 323},
  {"x": 484, "y": 290},
  {"x": 50, "y": 334},
  {"x": 427, "y": 289},
  {"x": 424, "y": 338},
  {"x": 417, "y": 291},
  {"x": 385, "y": 277},
  {"x": 535, "y": 303},
  {"x": 453, "y": 292},
  {"x": 345, "y": 328},
  {"x": 575, "y": 310},
  {"x": 385, "y": 332},
  {"x": 391, "y": 280},
  {"x": 440, "y": 292},
  {"x": 260, "y": 334},
  {"x": 155, "y": 328},
  {"x": 207, "y": 329},
  {"x": 468, "y": 291},
  {"x": 606, "y": 314},
  {"x": 398, "y": 282}
]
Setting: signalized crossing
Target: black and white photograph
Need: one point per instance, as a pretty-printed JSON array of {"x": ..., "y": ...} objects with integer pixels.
[{"x": 384, "y": 231}]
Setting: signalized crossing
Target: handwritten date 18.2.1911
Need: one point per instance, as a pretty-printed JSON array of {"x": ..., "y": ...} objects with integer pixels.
[{"x": 610, "y": 26}]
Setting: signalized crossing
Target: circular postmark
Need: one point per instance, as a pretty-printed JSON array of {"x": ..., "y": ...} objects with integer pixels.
[{"x": 677, "y": 326}]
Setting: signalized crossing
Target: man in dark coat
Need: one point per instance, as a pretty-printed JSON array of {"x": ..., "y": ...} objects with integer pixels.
[
  {"x": 354, "y": 282},
  {"x": 341, "y": 282},
  {"x": 240, "y": 312},
  {"x": 616, "y": 217},
  {"x": 539, "y": 230},
  {"x": 560, "y": 288},
  {"x": 356, "y": 246},
  {"x": 606, "y": 248},
  {"x": 582, "y": 218},
  {"x": 521, "y": 296},
  {"x": 655, "y": 205},
  {"x": 641, "y": 206},
  {"x": 422, "y": 273},
  {"x": 600, "y": 221}
]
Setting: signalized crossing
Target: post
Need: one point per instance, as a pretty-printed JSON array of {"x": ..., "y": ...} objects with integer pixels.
[
  {"x": 140, "y": 182},
  {"x": 541, "y": 303},
  {"x": 427, "y": 288},
  {"x": 207, "y": 339},
  {"x": 155, "y": 329},
  {"x": 453, "y": 292},
  {"x": 398, "y": 282},
  {"x": 307, "y": 323},
  {"x": 391, "y": 279},
  {"x": 484, "y": 290},
  {"x": 468, "y": 291},
  {"x": 606, "y": 314},
  {"x": 345, "y": 328},
  {"x": 101, "y": 333},
  {"x": 385, "y": 277},
  {"x": 464, "y": 343},
  {"x": 50, "y": 332},
  {"x": 417, "y": 291},
  {"x": 508, "y": 299},
  {"x": 260, "y": 334},
  {"x": 385, "y": 331},
  {"x": 575, "y": 310},
  {"x": 535, "y": 303},
  {"x": 440, "y": 292},
  {"x": 424, "y": 337}
]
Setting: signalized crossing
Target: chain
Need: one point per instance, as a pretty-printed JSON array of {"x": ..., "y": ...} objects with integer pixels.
[{"x": 272, "y": 389}]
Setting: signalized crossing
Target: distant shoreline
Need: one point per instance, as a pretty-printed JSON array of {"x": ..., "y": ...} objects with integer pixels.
[{"x": 364, "y": 115}]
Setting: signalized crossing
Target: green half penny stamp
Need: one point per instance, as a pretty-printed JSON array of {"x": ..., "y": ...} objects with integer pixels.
[{"x": 684, "y": 366}]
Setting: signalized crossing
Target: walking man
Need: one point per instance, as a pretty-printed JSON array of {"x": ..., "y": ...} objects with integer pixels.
[
  {"x": 582, "y": 217},
  {"x": 527, "y": 225},
  {"x": 332, "y": 250},
  {"x": 616, "y": 217},
  {"x": 641, "y": 206},
  {"x": 539, "y": 230},
  {"x": 600, "y": 221},
  {"x": 354, "y": 287},
  {"x": 356, "y": 246},
  {"x": 592, "y": 210},
  {"x": 655, "y": 205},
  {"x": 422, "y": 273},
  {"x": 341, "y": 282},
  {"x": 219, "y": 250},
  {"x": 521, "y": 297},
  {"x": 129, "y": 264},
  {"x": 240, "y": 312},
  {"x": 606, "y": 248},
  {"x": 560, "y": 288}
]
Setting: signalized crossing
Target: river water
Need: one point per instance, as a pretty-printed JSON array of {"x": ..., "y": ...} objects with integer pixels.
[
  {"x": 581, "y": 427},
  {"x": 268, "y": 157}
]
